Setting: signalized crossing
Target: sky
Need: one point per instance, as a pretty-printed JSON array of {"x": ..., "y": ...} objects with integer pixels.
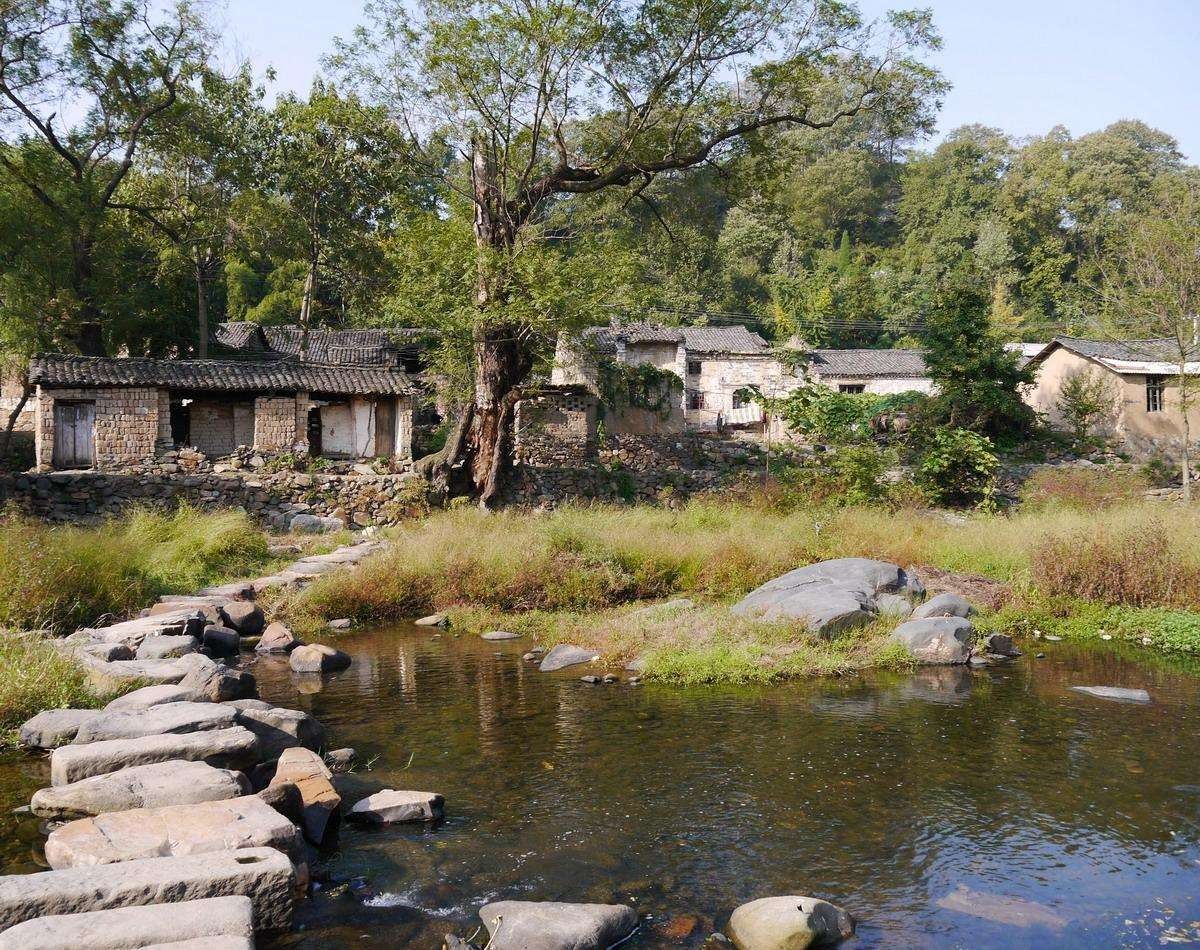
[{"x": 1023, "y": 66}]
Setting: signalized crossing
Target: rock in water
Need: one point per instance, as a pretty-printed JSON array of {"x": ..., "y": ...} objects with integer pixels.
[
  {"x": 392, "y": 807},
  {"x": 1116, "y": 694},
  {"x": 830, "y": 596},
  {"x": 937, "y": 640},
  {"x": 278, "y": 638},
  {"x": 263, "y": 874},
  {"x": 244, "y": 616},
  {"x": 114, "y": 837},
  {"x": 496, "y": 636},
  {"x": 160, "y": 720},
  {"x": 221, "y": 641},
  {"x": 201, "y": 921},
  {"x": 318, "y": 658},
  {"x": 142, "y": 786},
  {"x": 219, "y": 683},
  {"x": 788, "y": 923},
  {"x": 307, "y": 771},
  {"x": 54, "y": 727},
  {"x": 433, "y": 620},
  {"x": 235, "y": 748},
  {"x": 278, "y": 729},
  {"x": 549, "y": 925},
  {"x": 944, "y": 605},
  {"x": 564, "y": 655}
]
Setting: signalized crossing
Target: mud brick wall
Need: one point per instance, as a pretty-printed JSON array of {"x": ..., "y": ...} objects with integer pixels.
[
  {"x": 276, "y": 423},
  {"x": 126, "y": 428}
]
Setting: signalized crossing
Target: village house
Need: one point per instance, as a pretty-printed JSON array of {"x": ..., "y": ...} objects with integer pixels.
[
  {"x": 869, "y": 371},
  {"x": 1140, "y": 377},
  {"x": 355, "y": 400}
]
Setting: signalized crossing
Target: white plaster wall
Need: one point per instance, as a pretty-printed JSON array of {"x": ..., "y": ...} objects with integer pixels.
[{"x": 348, "y": 428}]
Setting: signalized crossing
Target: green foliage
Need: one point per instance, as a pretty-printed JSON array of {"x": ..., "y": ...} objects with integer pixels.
[
  {"x": 643, "y": 387},
  {"x": 959, "y": 469},
  {"x": 840, "y": 418},
  {"x": 1085, "y": 399}
]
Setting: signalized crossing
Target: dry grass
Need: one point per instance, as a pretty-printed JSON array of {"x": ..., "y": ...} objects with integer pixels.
[{"x": 1087, "y": 489}]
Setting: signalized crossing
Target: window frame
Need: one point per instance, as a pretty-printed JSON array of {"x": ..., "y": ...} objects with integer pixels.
[
  {"x": 695, "y": 367},
  {"x": 1156, "y": 391},
  {"x": 852, "y": 389}
]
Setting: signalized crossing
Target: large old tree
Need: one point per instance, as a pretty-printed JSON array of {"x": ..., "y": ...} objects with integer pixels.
[{"x": 521, "y": 105}]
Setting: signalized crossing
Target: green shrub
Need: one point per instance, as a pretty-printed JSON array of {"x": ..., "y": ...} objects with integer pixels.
[
  {"x": 35, "y": 676},
  {"x": 959, "y": 469}
]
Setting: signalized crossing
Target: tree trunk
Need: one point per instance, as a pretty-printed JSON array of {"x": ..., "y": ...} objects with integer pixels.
[
  {"x": 6, "y": 438},
  {"x": 1185, "y": 399},
  {"x": 202, "y": 280},
  {"x": 306, "y": 305},
  {"x": 89, "y": 337}
]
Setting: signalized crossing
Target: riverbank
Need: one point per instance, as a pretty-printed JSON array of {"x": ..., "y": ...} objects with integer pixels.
[{"x": 583, "y": 574}]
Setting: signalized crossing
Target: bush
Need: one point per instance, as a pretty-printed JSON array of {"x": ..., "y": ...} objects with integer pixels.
[
  {"x": 840, "y": 418},
  {"x": 959, "y": 469},
  {"x": 1085, "y": 399}
]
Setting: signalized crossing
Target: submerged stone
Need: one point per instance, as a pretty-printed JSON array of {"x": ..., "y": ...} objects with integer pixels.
[
  {"x": 564, "y": 655},
  {"x": 551, "y": 925},
  {"x": 1116, "y": 694}
]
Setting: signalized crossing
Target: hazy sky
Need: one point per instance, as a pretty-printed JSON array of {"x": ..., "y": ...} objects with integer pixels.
[{"x": 1021, "y": 65}]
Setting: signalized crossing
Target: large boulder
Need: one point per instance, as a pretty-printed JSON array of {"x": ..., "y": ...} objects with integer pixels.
[
  {"x": 944, "y": 605},
  {"x": 307, "y": 771},
  {"x": 829, "y": 596},
  {"x": 393, "y": 807},
  {"x": 149, "y": 696},
  {"x": 54, "y": 727},
  {"x": 167, "y": 647},
  {"x": 221, "y": 641},
  {"x": 550, "y": 925},
  {"x": 244, "y": 616},
  {"x": 314, "y": 524},
  {"x": 788, "y": 923},
  {"x": 163, "y": 719},
  {"x": 264, "y": 875},
  {"x": 197, "y": 828},
  {"x": 125, "y": 927},
  {"x": 937, "y": 640},
  {"x": 142, "y": 786},
  {"x": 564, "y": 655},
  {"x": 318, "y": 658},
  {"x": 219, "y": 683},
  {"x": 278, "y": 638},
  {"x": 234, "y": 748},
  {"x": 278, "y": 729}
]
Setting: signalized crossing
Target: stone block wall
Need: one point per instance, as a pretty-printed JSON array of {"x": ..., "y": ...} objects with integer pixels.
[
  {"x": 277, "y": 423},
  {"x": 218, "y": 426},
  {"x": 126, "y": 428},
  {"x": 557, "y": 427}
]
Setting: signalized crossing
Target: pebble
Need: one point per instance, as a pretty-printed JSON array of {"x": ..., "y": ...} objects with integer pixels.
[{"x": 591, "y": 680}]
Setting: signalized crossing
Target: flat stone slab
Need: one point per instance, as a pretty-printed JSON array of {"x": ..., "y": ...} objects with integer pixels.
[
  {"x": 278, "y": 729},
  {"x": 498, "y": 636},
  {"x": 149, "y": 696},
  {"x": 264, "y": 875},
  {"x": 392, "y": 807},
  {"x": 167, "y": 647},
  {"x": 234, "y": 748},
  {"x": 162, "y": 719},
  {"x": 564, "y": 655},
  {"x": 132, "y": 632},
  {"x": 105, "y": 676},
  {"x": 125, "y": 927},
  {"x": 54, "y": 727},
  {"x": 197, "y": 828},
  {"x": 1116, "y": 694},
  {"x": 550, "y": 925},
  {"x": 937, "y": 640},
  {"x": 791, "y": 921},
  {"x": 142, "y": 786}
]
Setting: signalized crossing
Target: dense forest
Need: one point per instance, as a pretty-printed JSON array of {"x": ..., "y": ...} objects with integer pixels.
[{"x": 499, "y": 173}]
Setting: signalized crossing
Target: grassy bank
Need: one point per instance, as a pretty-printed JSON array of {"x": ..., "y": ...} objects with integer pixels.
[
  {"x": 61, "y": 578},
  {"x": 1073, "y": 562}
]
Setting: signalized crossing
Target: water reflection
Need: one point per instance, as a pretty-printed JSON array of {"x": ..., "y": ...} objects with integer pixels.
[{"x": 950, "y": 808}]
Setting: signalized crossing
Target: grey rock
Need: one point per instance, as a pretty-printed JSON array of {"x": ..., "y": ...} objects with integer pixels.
[
  {"x": 279, "y": 729},
  {"x": 125, "y": 927},
  {"x": 1116, "y": 694},
  {"x": 285, "y": 798},
  {"x": 54, "y": 727},
  {"x": 549, "y": 925},
  {"x": 235, "y": 748},
  {"x": 313, "y": 524},
  {"x": 1001, "y": 644},
  {"x": 788, "y": 923},
  {"x": 344, "y": 623},
  {"x": 142, "y": 786},
  {"x": 114, "y": 837},
  {"x": 318, "y": 658},
  {"x": 219, "y": 683},
  {"x": 499, "y": 636},
  {"x": 392, "y": 807},
  {"x": 320, "y": 802},
  {"x": 433, "y": 620},
  {"x": 149, "y": 696},
  {"x": 262, "y": 874},
  {"x": 564, "y": 655},
  {"x": 107, "y": 677},
  {"x": 937, "y": 640},
  {"x": 221, "y": 641},
  {"x": 244, "y": 616},
  {"x": 167, "y": 647},
  {"x": 176, "y": 622},
  {"x": 679, "y": 603},
  {"x": 341, "y": 760},
  {"x": 277, "y": 638},
  {"x": 163, "y": 719},
  {"x": 894, "y": 605},
  {"x": 108, "y": 652},
  {"x": 944, "y": 605}
]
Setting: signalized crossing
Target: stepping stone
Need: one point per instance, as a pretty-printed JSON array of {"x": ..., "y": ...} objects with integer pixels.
[
  {"x": 167, "y": 647},
  {"x": 234, "y": 748},
  {"x": 550, "y": 925},
  {"x": 149, "y": 696},
  {"x": 133, "y": 632},
  {"x": 222, "y": 641},
  {"x": 278, "y": 729},
  {"x": 497, "y": 636},
  {"x": 219, "y": 683},
  {"x": 1115, "y": 694},
  {"x": 277, "y": 638},
  {"x": 54, "y": 727},
  {"x": 264, "y": 875},
  {"x": 163, "y": 719},
  {"x": 237, "y": 590},
  {"x": 564, "y": 655},
  {"x": 153, "y": 925},
  {"x": 318, "y": 658},
  {"x": 392, "y": 807},
  {"x": 198, "y": 828},
  {"x": 142, "y": 786},
  {"x": 246, "y": 617},
  {"x": 308, "y": 772},
  {"x": 109, "y": 676}
]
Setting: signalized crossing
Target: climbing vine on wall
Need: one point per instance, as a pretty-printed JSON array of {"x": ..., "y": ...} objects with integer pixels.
[{"x": 642, "y": 387}]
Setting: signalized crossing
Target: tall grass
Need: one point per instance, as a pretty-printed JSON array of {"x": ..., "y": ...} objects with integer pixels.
[
  {"x": 35, "y": 676},
  {"x": 61, "y": 578}
]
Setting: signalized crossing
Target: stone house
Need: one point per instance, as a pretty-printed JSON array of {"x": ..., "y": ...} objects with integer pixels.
[
  {"x": 110, "y": 413},
  {"x": 1141, "y": 378},
  {"x": 871, "y": 371}
]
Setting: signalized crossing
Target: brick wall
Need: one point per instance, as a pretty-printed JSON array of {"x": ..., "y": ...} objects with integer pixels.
[
  {"x": 557, "y": 428},
  {"x": 276, "y": 423},
  {"x": 126, "y": 428}
]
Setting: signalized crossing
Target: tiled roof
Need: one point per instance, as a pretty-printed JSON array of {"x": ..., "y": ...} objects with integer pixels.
[
  {"x": 869, "y": 363},
  {"x": 241, "y": 337},
  {"x": 1135, "y": 357},
  {"x": 733, "y": 339},
  {"x": 217, "y": 375},
  {"x": 338, "y": 347}
]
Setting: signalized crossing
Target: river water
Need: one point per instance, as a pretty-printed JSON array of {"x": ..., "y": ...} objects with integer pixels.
[{"x": 951, "y": 808}]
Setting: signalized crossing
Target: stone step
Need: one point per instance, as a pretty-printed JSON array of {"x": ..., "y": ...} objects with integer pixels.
[
  {"x": 163, "y": 719},
  {"x": 124, "y": 927},
  {"x": 234, "y": 748},
  {"x": 264, "y": 875},
  {"x": 198, "y": 828},
  {"x": 175, "y": 782}
]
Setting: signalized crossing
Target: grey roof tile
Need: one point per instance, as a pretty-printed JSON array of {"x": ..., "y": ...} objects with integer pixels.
[{"x": 869, "y": 363}]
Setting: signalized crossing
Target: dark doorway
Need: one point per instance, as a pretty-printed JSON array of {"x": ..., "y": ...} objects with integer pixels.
[
  {"x": 181, "y": 423},
  {"x": 314, "y": 431}
]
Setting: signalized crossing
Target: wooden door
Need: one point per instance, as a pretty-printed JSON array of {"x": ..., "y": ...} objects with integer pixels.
[
  {"x": 74, "y": 434},
  {"x": 385, "y": 427}
]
